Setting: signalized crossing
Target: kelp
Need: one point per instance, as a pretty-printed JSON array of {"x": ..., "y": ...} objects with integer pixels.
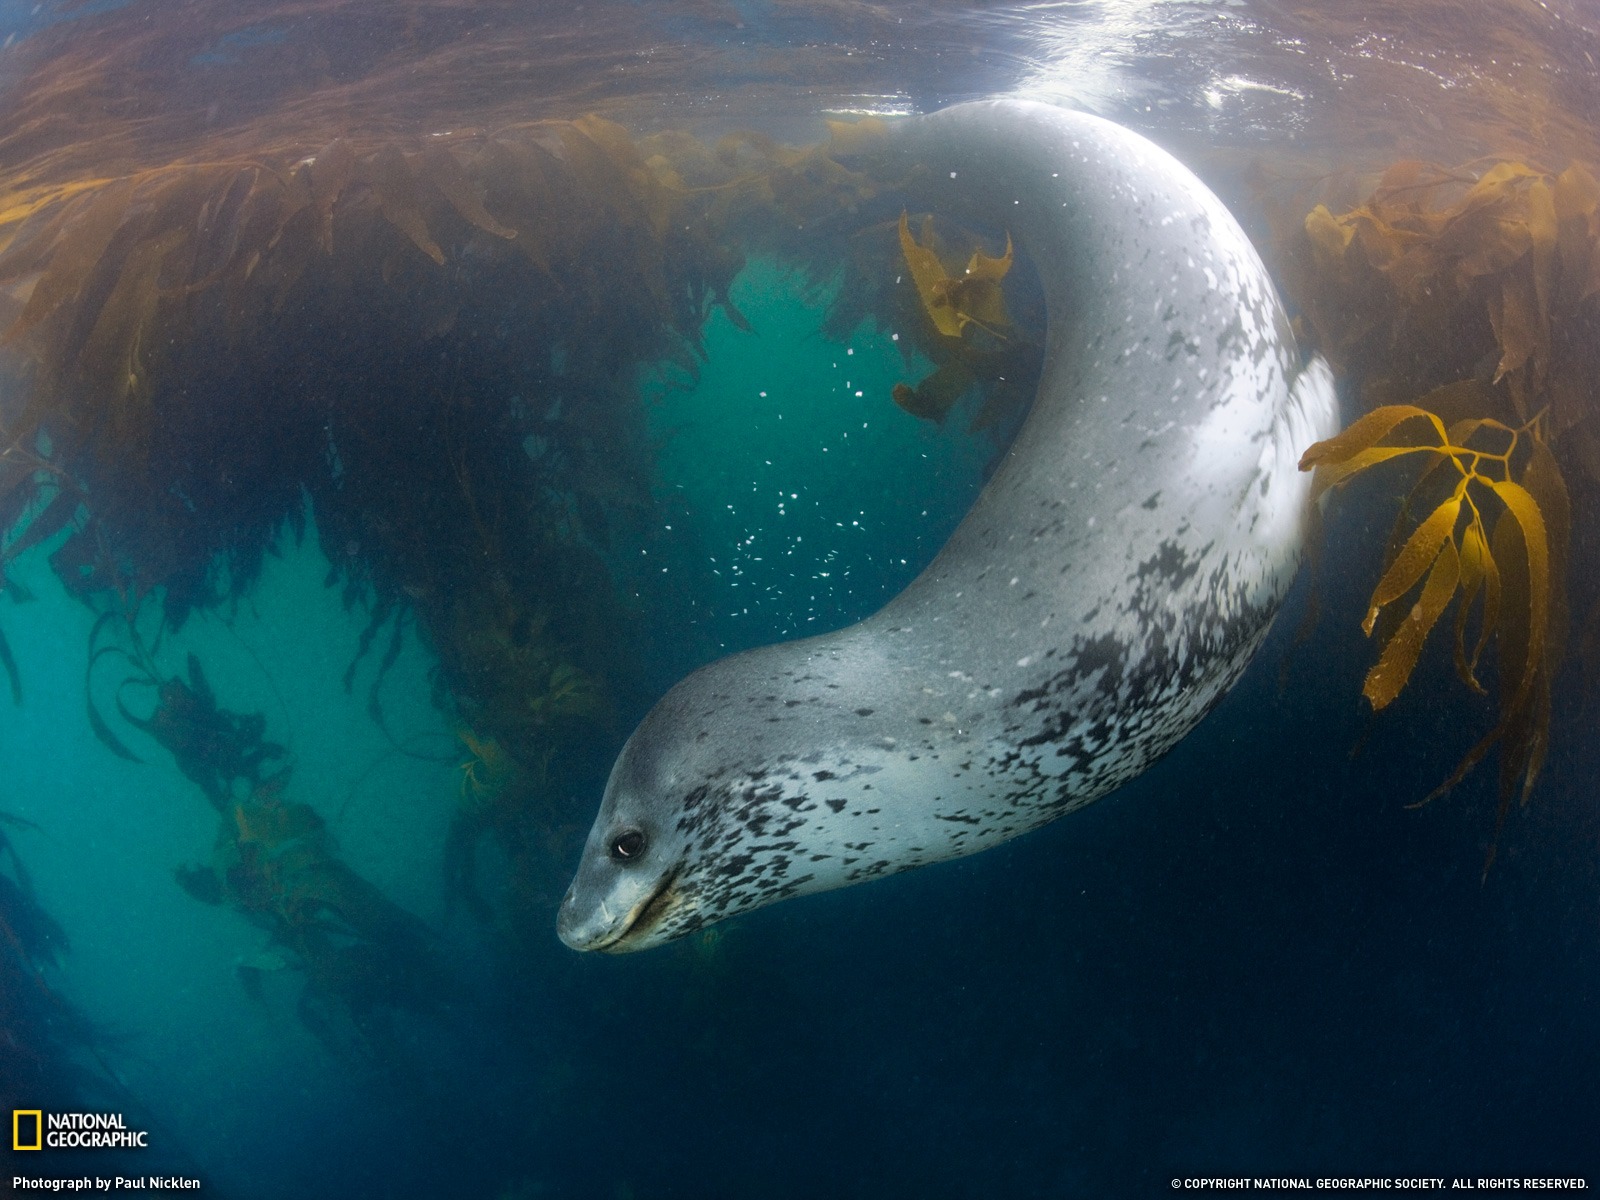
[
  {"x": 274, "y": 861},
  {"x": 514, "y": 808},
  {"x": 1447, "y": 274},
  {"x": 36, "y": 503},
  {"x": 1469, "y": 299},
  {"x": 1496, "y": 540},
  {"x": 966, "y": 330},
  {"x": 215, "y": 748},
  {"x": 362, "y": 957},
  {"x": 492, "y": 794},
  {"x": 163, "y": 327},
  {"x": 952, "y": 302}
]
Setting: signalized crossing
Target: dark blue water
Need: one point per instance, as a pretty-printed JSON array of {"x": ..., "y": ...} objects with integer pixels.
[{"x": 1255, "y": 960}]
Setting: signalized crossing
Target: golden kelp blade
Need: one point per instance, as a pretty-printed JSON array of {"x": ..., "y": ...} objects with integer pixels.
[
  {"x": 928, "y": 273},
  {"x": 1421, "y": 549},
  {"x": 1521, "y": 505},
  {"x": 953, "y": 303},
  {"x": 1364, "y": 433},
  {"x": 1397, "y": 660},
  {"x": 977, "y": 295}
]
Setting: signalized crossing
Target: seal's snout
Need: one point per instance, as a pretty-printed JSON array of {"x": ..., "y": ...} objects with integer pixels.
[
  {"x": 582, "y": 926},
  {"x": 613, "y": 911}
]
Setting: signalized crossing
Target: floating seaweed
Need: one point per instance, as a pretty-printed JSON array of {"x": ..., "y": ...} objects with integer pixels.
[
  {"x": 952, "y": 302},
  {"x": 1469, "y": 299},
  {"x": 1499, "y": 533},
  {"x": 1453, "y": 265},
  {"x": 362, "y": 957},
  {"x": 213, "y": 747},
  {"x": 973, "y": 339}
]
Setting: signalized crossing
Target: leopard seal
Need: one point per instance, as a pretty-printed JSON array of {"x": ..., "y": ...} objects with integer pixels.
[{"x": 1109, "y": 585}]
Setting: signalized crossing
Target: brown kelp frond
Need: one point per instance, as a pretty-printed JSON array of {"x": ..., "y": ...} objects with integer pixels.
[
  {"x": 952, "y": 301},
  {"x": 200, "y": 344},
  {"x": 1498, "y": 531},
  {"x": 1440, "y": 266},
  {"x": 965, "y": 327},
  {"x": 213, "y": 746},
  {"x": 362, "y": 956},
  {"x": 1463, "y": 306}
]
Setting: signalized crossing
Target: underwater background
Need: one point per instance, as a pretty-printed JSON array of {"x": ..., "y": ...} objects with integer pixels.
[{"x": 317, "y": 674}]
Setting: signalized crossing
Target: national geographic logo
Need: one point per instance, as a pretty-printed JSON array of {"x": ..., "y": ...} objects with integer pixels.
[{"x": 35, "y": 1129}]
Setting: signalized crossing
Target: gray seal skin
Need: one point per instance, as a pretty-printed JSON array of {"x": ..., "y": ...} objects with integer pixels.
[{"x": 1109, "y": 585}]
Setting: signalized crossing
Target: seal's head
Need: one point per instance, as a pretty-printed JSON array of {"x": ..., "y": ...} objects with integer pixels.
[
  {"x": 625, "y": 895},
  {"x": 709, "y": 810}
]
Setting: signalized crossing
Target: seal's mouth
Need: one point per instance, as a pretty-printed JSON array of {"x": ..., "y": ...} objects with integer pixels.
[{"x": 643, "y": 919}]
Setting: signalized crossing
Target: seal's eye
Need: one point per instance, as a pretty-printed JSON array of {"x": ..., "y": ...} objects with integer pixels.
[{"x": 627, "y": 844}]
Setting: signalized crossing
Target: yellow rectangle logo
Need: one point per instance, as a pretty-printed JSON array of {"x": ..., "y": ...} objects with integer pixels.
[{"x": 20, "y": 1118}]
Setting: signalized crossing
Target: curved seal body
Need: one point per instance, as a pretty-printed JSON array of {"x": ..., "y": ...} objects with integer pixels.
[{"x": 1109, "y": 585}]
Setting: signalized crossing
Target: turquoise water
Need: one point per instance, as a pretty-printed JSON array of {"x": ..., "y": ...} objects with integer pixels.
[{"x": 808, "y": 498}]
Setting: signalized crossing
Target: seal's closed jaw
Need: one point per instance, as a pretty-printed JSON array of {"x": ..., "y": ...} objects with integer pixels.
[{"x": 623, "y": 919}]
